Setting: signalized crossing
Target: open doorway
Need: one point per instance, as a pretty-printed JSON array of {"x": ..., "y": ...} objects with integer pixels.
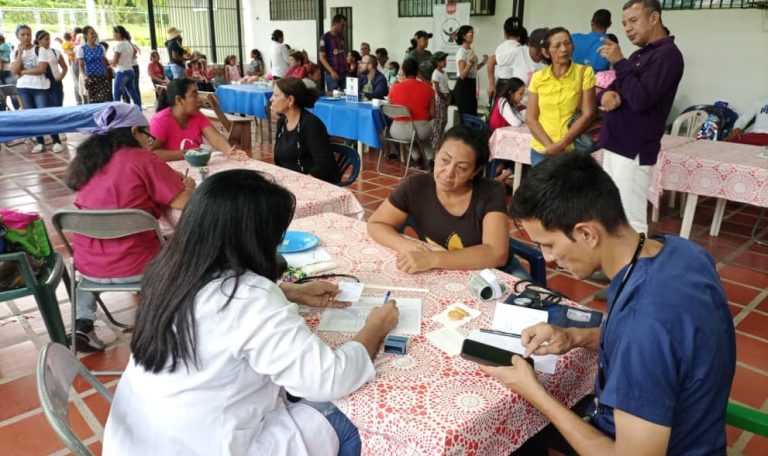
[{"x": 347, "y": 12}]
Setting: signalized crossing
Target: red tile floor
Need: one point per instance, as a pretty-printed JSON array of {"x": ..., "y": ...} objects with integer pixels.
[{"x": 35, "y": 183}]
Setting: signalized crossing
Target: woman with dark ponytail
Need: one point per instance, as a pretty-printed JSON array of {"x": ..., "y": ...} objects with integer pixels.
[
  {"x": 114, "y": 169},
  {"x": 418, "y": 50},
  {"x": 178, "y": 123}
]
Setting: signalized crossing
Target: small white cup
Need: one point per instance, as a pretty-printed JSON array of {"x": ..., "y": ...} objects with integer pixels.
[{"x": 376, "y": 102}]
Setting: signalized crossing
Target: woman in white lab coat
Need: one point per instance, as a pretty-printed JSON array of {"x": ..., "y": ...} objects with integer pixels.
[{"x": 217, "y": 343}]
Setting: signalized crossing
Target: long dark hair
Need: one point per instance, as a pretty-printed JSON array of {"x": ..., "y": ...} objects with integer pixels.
[
  {"x": 506, "y": 88},
  {"x": 462, "y": 32},
  {"x": 175, "y": 88},
  {"x": 94, "y": 153},
  {"x": 231, "y": 225},
  {"x": 295, "y": 87},
  {"x": 120, "y": 30}
]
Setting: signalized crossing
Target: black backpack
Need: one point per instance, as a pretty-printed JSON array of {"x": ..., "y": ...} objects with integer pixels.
[{"x": 48, "y": 71}]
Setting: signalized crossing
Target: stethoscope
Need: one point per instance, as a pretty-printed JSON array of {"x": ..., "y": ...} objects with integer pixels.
[{"x": 622, "y": 284}]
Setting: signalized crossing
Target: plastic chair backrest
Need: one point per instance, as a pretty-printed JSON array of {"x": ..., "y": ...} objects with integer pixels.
[
  {"x": 689, "y": 122},
  {"x": 104, "y": 224},
  {"x": 346, "y": 157},
  {"x": 57, "y": 369}
]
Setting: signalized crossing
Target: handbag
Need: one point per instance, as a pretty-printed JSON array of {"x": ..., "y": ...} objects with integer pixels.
[
  {"x": 587, "y": 141},
  {"x": 27, "y": 232}
]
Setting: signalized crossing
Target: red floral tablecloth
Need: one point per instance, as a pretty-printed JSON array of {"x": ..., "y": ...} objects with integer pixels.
[
  {"x": 313, "y": 196},
  {"x": 514, "y": 143},
  {"x": 736, "y": 172},
  {"x": 426, "y": 402}
]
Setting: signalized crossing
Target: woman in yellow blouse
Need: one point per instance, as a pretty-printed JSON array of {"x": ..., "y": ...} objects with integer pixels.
[{"x": 555, "y": 94}]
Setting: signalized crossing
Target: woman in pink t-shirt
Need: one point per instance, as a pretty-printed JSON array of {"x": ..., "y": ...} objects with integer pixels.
[
  {"x": 114, "y": 169},
  {"x": 178, "y": 119}
]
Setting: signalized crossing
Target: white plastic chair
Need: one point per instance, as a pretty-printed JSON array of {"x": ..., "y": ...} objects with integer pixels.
[{"x": 686, "y": 124}]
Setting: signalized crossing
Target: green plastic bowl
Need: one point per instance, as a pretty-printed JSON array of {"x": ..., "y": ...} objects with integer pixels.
[{"x": 197, "y": 157}]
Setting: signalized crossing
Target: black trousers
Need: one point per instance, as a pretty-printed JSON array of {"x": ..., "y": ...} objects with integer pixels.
[
  {"x": 550, "y": 437},
  {"x": 465, "y": 96}
]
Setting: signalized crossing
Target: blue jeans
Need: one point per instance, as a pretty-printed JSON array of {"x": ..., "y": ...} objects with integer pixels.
[
  {"x": 37, "y": 98},
  {"x": 536, "y": 157},
  {"x": 86, "y": 300},
  {"x": 330, "y": 84},
  {"x": 177, "y": 70},
  {"x": 124, "y": 81},
  {"x": 349, "y": 438},
  {"x": 56, "y": 94},
  {"x": 515, "y": 268}
]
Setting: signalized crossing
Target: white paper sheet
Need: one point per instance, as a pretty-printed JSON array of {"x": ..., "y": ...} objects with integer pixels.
[
  {"x": 447, "y": 339},
  {"x": 351, "y": 319},
  {"x": 316, "y": 255},
  {"x": 514, "y": 319},
  {"x": 546, "y": 363},
  {"x": 350, "y": 291}
]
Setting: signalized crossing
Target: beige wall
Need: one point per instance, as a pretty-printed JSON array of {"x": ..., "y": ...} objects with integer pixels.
[{"x": 726, "y": 51}]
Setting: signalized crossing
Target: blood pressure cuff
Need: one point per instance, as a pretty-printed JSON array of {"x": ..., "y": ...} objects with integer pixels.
[{"x": 573, "y": 317}]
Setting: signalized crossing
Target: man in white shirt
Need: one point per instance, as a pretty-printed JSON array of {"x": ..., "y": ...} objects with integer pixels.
[
  {"x": 278, "y": 53},
  {"x": 758, "y": 133}
]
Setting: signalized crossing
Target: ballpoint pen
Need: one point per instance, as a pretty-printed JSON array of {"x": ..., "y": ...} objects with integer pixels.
[
  {"x": 386, "y": 296},
  {"x": 499, "y": 333}
]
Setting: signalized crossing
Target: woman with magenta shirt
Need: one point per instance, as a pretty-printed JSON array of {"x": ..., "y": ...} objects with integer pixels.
[
  {"x": 114, "y": 169},
  {"x": 178, "y": 118}
]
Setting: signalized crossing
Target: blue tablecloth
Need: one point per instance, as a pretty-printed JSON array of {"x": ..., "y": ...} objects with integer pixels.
[
  {"x": 248, "y": 99},
  {"x": 45, "y": 121},
  {"x": 357, "y": 121}
]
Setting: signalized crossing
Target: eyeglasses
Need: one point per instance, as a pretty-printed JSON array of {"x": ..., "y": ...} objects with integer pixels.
[{"x": 144, "y": 131}]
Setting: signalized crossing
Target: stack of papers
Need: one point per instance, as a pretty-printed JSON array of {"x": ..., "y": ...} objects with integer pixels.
[{"x": 352, "y": 319}]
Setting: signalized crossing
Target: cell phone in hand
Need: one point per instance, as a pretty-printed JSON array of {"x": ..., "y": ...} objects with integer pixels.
[{"x": 488, "y": 354}]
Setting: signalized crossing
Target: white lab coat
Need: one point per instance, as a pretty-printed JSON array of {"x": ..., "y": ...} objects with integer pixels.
[{"x": 250, "y": 352}]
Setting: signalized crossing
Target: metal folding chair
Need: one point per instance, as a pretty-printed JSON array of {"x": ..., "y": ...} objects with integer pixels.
[
  {"x": 57, "y": 369},
  {"x": 101, "y": 224},
  {"x": 398, "y": 111}
]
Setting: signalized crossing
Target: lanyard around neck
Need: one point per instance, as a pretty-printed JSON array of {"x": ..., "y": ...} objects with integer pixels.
[{"x": 623, "y": 283}]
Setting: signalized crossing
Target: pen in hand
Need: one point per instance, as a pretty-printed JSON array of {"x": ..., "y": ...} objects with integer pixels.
[{"x": 386, "y": 296}]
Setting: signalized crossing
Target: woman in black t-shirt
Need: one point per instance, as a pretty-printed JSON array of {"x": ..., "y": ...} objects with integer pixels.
[
  {"x": 302, "y": 142},
  {"x": 459, "y": 213}
]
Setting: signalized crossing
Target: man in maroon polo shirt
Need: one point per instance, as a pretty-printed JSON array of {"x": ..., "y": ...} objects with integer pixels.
[
  {"x": 333, "y": 55},
  {"x": 637, "y": 104}
]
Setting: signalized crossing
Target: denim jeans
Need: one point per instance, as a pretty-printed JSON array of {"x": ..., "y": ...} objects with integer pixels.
[
  {"x": 331, "y": 84},
  {"x": 124, "y": 81},
  {"x": 349, "y": 437},
  {"x": 37, "y": 98},
  {"x": 536, "y": 158},
  {"x": 177, "y": 70},
  {"x": 56, "y": 94},
  {"x": 86, "y": 301}
]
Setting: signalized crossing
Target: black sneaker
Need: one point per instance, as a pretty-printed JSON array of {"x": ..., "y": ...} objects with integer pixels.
[{"x": 85, "y": 337}]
